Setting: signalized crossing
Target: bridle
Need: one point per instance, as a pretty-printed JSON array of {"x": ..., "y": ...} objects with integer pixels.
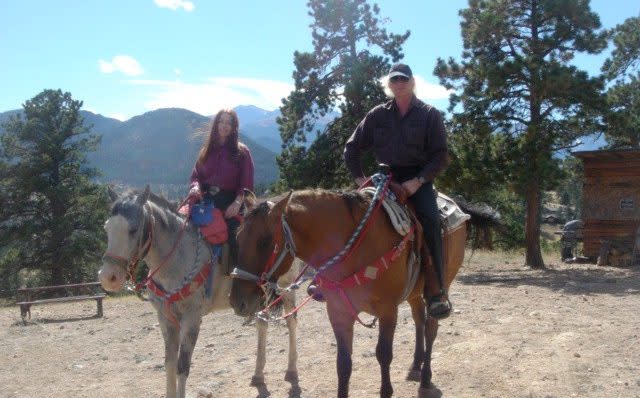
[
  {"x": 273, "y": 263},
  {"x": 381, "y": 182},
  {"x": 140, "y": 251}
]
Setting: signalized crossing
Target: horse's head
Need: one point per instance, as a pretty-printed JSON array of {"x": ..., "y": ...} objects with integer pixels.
[
  {"x": 257, "y": 238},
  {"x": 127, "y": 236}
]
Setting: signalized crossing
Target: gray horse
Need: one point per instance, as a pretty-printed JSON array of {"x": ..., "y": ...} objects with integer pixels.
[{"x": 186, "y": 281}]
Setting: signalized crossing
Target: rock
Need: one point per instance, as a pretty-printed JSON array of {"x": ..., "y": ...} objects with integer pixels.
[{"x": 205, "y": 394}]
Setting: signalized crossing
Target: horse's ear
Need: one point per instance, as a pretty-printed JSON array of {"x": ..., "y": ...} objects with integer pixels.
[
  {"x": 113, "y": 196},
  {"x": 279, "y": 207},
  {"x": 142, "y": 199},
  {"x": 250, "y": 199}
]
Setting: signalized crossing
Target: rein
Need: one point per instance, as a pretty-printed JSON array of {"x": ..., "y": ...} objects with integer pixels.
[
  {"x": 142, "y": 249},
  {"x": 382, "y": 185},
  {"x": 130, "y": 265}
]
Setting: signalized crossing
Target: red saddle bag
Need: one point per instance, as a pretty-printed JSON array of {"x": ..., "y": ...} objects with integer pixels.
[{"x": 216, "y": 231}]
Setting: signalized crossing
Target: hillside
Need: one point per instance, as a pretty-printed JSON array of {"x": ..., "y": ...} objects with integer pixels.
[{"x": 160, "y": 147}]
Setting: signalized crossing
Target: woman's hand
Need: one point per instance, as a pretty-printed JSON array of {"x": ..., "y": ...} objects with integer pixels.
[
  {"x": 195, "y": 195},
  {"x": 233, "y": 209}
]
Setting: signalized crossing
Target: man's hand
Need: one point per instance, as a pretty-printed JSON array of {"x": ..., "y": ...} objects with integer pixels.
[{"x": 411, "y": 186}]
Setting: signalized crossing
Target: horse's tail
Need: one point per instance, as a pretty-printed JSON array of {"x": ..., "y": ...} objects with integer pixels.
[{"x": 482, "y": 215}]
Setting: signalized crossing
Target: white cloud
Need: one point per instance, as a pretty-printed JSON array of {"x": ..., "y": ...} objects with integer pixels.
[
  {"x": 121, "y": 63},
  {"x": 424, "y": 90},
  {"x": 175, "y": 4},
  {"x": 118, "y": 116},
  {"x": 216, "y": 93},
  {"x": 430, "y": 91}
]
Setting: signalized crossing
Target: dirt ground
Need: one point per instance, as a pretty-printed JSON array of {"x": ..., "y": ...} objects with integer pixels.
[{"x": 569, "y": 331}]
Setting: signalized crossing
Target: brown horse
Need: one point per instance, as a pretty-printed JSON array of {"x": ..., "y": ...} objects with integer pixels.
[{"x": 314, "y": 225}]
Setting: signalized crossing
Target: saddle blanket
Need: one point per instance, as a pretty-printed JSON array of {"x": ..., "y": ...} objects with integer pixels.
[
  {"x": 451, "y": 216},
  {"x": 398, "y": 214}
]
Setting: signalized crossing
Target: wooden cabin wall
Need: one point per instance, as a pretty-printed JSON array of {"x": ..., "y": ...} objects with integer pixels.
[{"x": 611, "y": 199}]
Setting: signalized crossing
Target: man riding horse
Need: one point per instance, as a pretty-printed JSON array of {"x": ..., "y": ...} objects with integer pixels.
[{"x": 409, "y": 135}]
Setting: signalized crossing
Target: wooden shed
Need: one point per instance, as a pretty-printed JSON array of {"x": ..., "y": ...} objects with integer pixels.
[{"x": 610, "y": 198}]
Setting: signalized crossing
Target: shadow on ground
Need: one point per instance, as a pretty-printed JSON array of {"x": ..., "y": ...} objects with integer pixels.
[{"x": 618, "y": 282}]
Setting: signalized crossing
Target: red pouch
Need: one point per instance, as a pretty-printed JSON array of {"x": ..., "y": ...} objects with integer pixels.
[{"x": 216, "y": 231}]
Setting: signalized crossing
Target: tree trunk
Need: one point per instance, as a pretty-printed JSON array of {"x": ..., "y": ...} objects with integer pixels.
[{"x": 532, "y": 227}]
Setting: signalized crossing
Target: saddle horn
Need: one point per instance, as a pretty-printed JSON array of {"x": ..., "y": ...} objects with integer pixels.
[{"x": 384, "y": 168}]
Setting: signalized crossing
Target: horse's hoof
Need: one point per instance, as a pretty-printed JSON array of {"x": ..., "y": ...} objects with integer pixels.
[
  {"x": 413, "y": 375},
  {"x": 291, "y": 376},
  {"x": 257, "y": 381},
  {"x": 429, "y": 392},
  {"x": 386, "y": 392}
]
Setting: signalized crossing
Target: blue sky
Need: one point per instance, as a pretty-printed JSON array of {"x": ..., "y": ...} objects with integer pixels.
[{"x": 126, "y": 57}]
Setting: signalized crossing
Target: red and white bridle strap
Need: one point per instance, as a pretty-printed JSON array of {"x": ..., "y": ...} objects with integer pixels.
[{"x": 141, "y": 250}]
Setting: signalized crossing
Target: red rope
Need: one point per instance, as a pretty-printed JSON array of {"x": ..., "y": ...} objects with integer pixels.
[
  {"x": 369, "y": 222},
  {"x": 356, "y": 244},
  {"x": 166, "y": 259}
]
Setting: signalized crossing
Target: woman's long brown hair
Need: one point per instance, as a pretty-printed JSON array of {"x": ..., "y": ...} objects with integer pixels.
[{"x": 213, "y": 140}]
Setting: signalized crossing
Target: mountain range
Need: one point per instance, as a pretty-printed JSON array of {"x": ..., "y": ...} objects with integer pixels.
[{"x": 160, "y": 147}]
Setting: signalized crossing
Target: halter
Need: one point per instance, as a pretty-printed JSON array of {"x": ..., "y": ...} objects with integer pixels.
[
  {"x": 382, "y": 184},
  {"x": 140, "y": 251},
  {"x": 130, "y": 265},
  {"x": 273, "y": 262}
]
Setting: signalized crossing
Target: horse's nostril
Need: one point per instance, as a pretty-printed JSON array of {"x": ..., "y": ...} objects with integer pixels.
[{"x": 113, "y": 278}]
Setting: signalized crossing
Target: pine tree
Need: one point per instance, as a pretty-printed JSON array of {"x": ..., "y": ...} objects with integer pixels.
[
  {"x": 515, "y": 77},
  {"x": 52, "y": 212},
  {"x": 623, "y": 97},
  {"x": 341, "y": 73}
]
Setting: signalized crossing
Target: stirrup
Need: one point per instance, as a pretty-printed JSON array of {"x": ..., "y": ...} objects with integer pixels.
[
  {"x": 439, "y": 306},
  {"x": 315, "y": 293}
]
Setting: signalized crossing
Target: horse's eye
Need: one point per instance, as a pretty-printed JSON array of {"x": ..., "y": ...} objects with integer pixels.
[
  {"x": 264, "y": 243},
  {"x": 133, "y": 231}
]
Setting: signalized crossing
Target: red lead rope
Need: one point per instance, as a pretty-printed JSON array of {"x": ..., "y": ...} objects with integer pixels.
[
  {"x": 140, "y": 285},
  {"x": 365, "y": 275}
]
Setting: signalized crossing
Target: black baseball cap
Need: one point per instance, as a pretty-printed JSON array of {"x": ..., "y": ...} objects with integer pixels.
[{"x": 400, "y": 70}]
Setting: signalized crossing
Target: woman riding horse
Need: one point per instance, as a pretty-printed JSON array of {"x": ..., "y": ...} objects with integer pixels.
[{"x": 225, "y": 163}]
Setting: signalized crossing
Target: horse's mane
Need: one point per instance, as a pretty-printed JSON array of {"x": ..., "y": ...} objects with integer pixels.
[
  {"x": 160, "y": 201},
  {"x": 353, "y": 199},
  {"x": 260, "y": 206}
]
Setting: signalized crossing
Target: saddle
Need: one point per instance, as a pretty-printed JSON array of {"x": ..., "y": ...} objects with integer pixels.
[
  {"x": 451, "y": 215},
  {"x": 398, "y": 213}
]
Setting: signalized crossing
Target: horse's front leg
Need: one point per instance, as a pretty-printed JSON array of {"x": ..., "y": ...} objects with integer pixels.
[
  {"x": 289, "y": 303},
  {"x": 261, "y": 360},
  {"x": 384, "y": 349},
  {"x": 342, "y": 324},
  {"x": 171, "y": 336},
  {"x": 419, "y": 318},
  {"x": 189, "y": 330}
]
